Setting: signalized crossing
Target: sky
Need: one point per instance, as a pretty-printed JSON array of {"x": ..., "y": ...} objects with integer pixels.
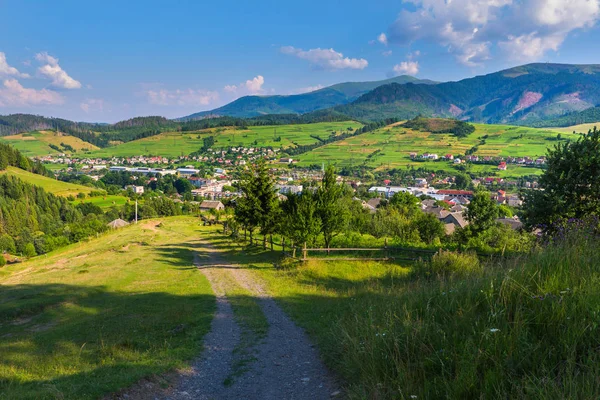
[{"x": 112, "y": 60}]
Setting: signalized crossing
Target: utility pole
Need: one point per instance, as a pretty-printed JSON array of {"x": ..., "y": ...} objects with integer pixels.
[{"x": 136, "y": 209}]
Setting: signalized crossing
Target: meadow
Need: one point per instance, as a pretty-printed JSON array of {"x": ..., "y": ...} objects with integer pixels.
[
  {"x": 38, "y": 143},
  {"x": 390, "y": 147},
  {"x": 97, "y": 316},
  {"x": 105, "y": 202},
  {"x": 174, "y": 144},
  {"x": 581, "y": 128},
  {"x": 524, "y": 327},
  {"x": 50, "y": 185}
]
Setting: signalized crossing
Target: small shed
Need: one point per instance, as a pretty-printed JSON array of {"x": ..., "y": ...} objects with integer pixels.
[
  {"x": 207, "y": 205},
  {"x": 117, "y": 223}
]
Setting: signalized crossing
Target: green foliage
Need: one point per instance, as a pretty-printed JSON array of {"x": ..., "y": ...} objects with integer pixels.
[
  {"x": 458, "y": 128},
  {"x": 299, "y": 219},
  {"x": 332, "y": 206},
  {"x": 430, "y": 228},
  {"x": 481, "y": 212},
  {"x": 2, "y": 261},
  {"x": 571, "y": 184}
]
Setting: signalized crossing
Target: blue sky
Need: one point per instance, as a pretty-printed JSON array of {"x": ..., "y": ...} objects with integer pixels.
[{"x": 108, "y": 61}]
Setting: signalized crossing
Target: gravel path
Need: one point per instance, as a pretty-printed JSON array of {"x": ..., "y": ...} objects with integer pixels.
[{"x": 287, "y": 365}]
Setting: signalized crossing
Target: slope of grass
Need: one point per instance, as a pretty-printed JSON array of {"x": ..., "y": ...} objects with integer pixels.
[
  {"x": 173, "y": 144},
  {"x": 38, "y": 143},
  {"x": 390, "y": 147},
  {"x": 98, "y": 316},
  {"x": 519, "y": 328},
  {"x": 54, "y": 186},
  {"x": 581, "y": 128},
  {"x": 105, "y": 202}
]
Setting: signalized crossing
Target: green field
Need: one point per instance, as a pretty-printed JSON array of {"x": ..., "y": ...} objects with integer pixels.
[
  {"x": 174, "y": 144},
  {"x": 390, "y": 147},
  {"x": 54, "y": 186},
  {"x": 104, "y": 202},
  {"x": 36, "y": 143},
  {"x": 94, "y": 317}
]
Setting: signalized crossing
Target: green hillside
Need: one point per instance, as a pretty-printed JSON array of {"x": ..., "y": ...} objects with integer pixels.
[
  {"x": 94, "y": 317},
  {"x": 174, "y": 144},
  {"x": 42, "y": 143},
  {"x": 525, "y": 95},
  {"x": 50, "y": 185},
  {"x": 390, "y": 147}
]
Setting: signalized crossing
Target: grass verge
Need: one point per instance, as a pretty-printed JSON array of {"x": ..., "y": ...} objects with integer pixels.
[{"x": 98, "y": 316}]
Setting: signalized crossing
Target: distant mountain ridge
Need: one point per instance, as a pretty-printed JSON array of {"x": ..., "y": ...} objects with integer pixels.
[
  {"x": 331, "y": 96},
  {"x": 524, "y": 95}
]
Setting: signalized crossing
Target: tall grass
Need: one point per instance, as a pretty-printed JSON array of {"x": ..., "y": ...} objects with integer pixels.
[{"x": 520, "y": 328}]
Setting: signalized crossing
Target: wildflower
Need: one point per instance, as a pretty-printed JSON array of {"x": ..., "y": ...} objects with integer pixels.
[{"x": 494, "y": 330}]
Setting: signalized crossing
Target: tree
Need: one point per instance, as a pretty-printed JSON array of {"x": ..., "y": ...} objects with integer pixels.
[
  {"x": 571, "y": 184},
  {"x": 405, "y": 202},
  {"x": 183, "y": 186},
  {"x": 462, "y": 180},
  {"x": 331, "y": 206},
  {"x": 430, "y": 228},
  {"x": 267, "y": 199},
  {"x": 481, "y": 212},
  {"x": 299, "y": 219}
]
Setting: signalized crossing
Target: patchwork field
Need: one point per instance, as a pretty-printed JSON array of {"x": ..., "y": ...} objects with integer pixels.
[
  {"x": 57, "y": 187},
  {"x": 390, "y": 147},
  {"x": 174, "y": 144},
  {"x": 38, "y": 143},
  {"x": 94, "y": 317},
  {"x": 582, "y": 128}
]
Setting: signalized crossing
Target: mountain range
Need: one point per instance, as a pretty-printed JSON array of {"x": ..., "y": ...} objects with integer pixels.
[
  {"x": 331, "y": 96},
  {"x": 524, "y": 95}
]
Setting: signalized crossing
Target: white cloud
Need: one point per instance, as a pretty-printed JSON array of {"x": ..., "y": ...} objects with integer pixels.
[
  {"x": 92, "y": 105},
  {"x": 382, "y": 38},
  {"x": 307, "y": 89},
  {"x": 326, "y": 58},
  {"x": 53, "y": 71},
  {"x": 7, "y": 70},
  {"x": 251, "y": 86},
  {"x": 387, "y": 53},
  {"x": 14, "y": 94},
  {"x": 185, "y": 97},
  {"x": 470, "y": 29},
  {"x": 407, "y": 68}
]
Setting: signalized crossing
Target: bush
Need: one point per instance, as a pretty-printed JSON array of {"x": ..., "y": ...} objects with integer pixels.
[
  {"x": 451, "y": 263},
  {"x": 2, "y": 261},
  {"x": 29, "y": 250}
]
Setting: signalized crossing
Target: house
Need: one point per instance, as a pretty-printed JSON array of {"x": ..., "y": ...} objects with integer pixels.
[
  {"x": 207, "y": 205},
  {"x": 457, "y": 161},
  {"x": 449, "y": 157},
  {"x": 460, "y": 194},
  {"x": 439, "y": 212},
  {"x": 502, "y": 166},
  {"x": 187, "y": 171},
  {"x": 513, "y": 223},
  {"x": 198, "y": 182},
  {"x": 515, "y": 201},
  {"x": 289, "y": 189},
  {"x": 135, "y": 189},
  {"x": 285, "y": 160},
  {"x": 454, "y": 220},
  {"x": 421, "y": 182},
  {"x": 374, "y": 202}
]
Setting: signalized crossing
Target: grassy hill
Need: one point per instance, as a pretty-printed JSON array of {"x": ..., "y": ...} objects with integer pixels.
[
  {"x": 390, "y": 147},
  {"x": 525, "y": 95},
  {"x": 174, "y": 144},
  {"x": 50, "y": 185},
  {"x": 581, "y": 128},
  {"x": 95, "y": 317},
  {"x": 38, "y": 143},
  {"x": 341, "y": 93}
]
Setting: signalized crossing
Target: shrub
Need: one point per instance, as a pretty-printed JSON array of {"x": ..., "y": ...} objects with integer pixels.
[
  {"x": 450, "y": 263},
  {"x": 2, "y": 261},
  {"x": 29, "y": 250}
]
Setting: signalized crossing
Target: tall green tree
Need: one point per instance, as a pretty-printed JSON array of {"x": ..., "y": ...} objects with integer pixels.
[
  {"x": 571, "y": 184},
  {"x": 299, "y": 219},
  {"x": 481, "y": 212},
  {"x": 332, "y": 206}
]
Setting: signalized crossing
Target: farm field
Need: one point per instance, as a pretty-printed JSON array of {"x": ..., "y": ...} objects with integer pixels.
[
  {"x": 38, "y": 143},
  {"x": 390, "y": 147},
  {"x": 174, "y": 144},
  {"x": 582, "y": 128},
  {"x": 91, "y": 318},
  {"x": 54, "y": 186}
]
